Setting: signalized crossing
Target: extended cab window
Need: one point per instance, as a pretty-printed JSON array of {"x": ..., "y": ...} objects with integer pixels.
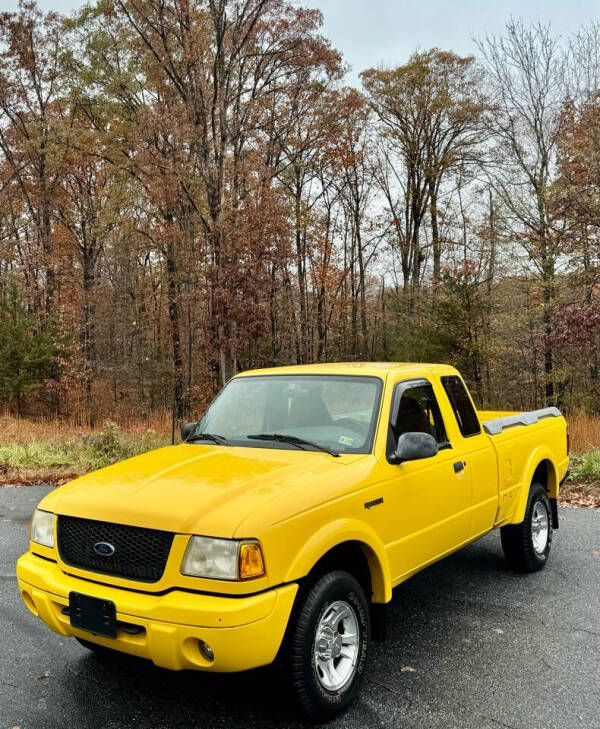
[
  {"x": 465, "y": 414},
  {"x": 418, "y": 412}
]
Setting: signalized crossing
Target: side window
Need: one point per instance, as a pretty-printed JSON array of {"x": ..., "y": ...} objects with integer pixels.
[
  {"x": 418, "y": 412},
  {"x": 465, "y": 414}
]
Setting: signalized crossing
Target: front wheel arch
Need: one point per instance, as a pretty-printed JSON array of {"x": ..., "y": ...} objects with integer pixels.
[{"x": 335, "y": 538}]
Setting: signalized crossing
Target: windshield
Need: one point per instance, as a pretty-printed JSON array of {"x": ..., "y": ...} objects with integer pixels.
[{"x": 335, "y": 412}]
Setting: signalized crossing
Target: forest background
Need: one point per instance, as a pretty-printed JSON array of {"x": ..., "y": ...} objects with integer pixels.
[{"x": 188, "y": 188}]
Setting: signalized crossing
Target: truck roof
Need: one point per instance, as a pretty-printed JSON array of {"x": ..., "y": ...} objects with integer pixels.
[{"x": 374, "y": 369}]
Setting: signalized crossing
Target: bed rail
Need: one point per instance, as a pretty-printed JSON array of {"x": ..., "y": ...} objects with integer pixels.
[{"x": 497, "y": 425}]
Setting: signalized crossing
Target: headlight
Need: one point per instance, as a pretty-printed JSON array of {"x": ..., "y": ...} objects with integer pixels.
[
  {"x": 222, "y": 559},
  {"x": 42, "y": 528}
]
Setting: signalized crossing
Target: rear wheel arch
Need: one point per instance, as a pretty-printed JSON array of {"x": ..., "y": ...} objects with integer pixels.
[
  {"x": 541, "y": 469},
  {"x": 545, "y": 473}
]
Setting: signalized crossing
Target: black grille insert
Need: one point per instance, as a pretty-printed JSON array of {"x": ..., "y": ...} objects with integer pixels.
[{"x": 139, "y": 554}]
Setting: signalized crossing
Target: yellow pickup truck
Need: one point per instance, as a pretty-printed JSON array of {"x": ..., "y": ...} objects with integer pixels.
[{"x": 279, "y": 527}]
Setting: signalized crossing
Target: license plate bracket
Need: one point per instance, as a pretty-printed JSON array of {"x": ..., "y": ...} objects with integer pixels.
[{"x": 93, "y": 614}]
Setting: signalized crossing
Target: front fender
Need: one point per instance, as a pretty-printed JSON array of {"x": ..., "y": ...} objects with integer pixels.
[
  {"x": 541, "y": 453},
  {"x": 336, "y": 533}
]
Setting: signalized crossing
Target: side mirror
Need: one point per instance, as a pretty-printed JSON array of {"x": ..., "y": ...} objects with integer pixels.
[
  {"x": 414, "y": 446},
  {"x": 186, "y": 430}
]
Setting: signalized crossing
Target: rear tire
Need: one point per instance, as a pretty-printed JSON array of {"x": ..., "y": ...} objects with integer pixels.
[
  {"x": 328, "y": 645},
  {"x": 526, "y": 545}
]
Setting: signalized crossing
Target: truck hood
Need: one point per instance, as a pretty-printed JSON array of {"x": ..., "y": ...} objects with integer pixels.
[{"x": 197, "y": 489}]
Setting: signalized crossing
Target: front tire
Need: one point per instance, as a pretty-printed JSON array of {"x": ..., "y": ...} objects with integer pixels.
[
  {"x": 527, "y": 545},
  {"x": 329, "y": 645}
]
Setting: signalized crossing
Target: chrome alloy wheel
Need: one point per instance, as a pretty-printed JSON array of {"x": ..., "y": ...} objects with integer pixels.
[
  {"x": 539, "y": 527},
  {"x": 336, "y": 646}
]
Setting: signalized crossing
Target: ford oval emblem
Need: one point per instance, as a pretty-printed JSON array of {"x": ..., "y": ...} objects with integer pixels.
[{"x": 104, "y": 549}]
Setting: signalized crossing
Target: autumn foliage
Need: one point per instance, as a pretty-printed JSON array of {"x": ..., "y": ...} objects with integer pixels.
[{"x": 189, "y": 189}]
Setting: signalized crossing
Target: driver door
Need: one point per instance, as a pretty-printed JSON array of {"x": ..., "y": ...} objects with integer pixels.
[{"x": 432, "y": 496}]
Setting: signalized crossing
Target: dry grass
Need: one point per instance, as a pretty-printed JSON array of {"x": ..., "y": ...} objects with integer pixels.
[
  {"x": 582, "y": 487},
  {"x": 51, "y": 450},
  {"x": 584, "y": 431},
  {"x": 55, "y": 451},
  {"x": 17, "y": 430}
]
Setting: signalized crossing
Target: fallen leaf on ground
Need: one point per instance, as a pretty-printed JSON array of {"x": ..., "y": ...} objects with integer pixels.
[
  {"x": 580, "y": 498},
  {"x": 499, "y": 631},
  {"x": 408, "y": 669}
]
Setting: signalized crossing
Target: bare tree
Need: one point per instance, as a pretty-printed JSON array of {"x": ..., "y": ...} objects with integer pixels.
[
  {"x": 523, "y": 68},
  {"x": 31, "y": 119},
  {"x": 582, "y": 63},
  {"x": 431, "y": 109}
]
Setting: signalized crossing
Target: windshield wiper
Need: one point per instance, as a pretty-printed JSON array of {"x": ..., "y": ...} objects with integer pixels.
[
  {"x": 219, "y": 439},
  {"x": 295, "y": 440}
]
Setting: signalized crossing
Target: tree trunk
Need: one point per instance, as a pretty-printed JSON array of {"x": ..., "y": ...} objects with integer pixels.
[
  {"x": 301, "y": 269},
  {"x": 547, "y": 265},
  {"x": 489, "y": 288},
  {"x": 548, "y": 296},
  {"x": 384, "y": 336},
  {"x": 88, "y": 333},
  {"x": 363, "y": 295},
  {"x": 174, "y": 319},
  {"x": 273, "y": 315},
  {"x": 353, "y": 300},
  {"x": 435, "y": 235}
]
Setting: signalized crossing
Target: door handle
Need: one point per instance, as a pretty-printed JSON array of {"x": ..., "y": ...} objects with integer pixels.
[{"x": 459, "y": 466}]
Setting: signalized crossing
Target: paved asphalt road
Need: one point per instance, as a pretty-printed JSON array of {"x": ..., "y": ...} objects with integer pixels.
[{"x": 470, "y": 645}]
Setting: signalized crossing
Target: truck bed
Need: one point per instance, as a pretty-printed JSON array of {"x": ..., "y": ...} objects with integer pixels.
[{"x": 522, "y": 440}]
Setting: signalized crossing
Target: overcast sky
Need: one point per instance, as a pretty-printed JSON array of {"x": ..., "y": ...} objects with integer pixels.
[{"x": 374, "y": 32}]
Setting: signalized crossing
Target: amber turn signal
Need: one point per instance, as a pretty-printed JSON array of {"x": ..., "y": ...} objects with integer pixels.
[{"x": 251, "y": 561}]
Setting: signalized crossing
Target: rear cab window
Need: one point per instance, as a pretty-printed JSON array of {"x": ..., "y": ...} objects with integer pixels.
[{"x": 464, "y": 412}]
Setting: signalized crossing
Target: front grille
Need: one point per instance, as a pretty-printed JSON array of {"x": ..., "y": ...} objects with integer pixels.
[{"x": 139, "y": 554}]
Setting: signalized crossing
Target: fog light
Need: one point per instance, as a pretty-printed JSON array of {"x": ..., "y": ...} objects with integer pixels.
[{"x": 206, "y": 651}]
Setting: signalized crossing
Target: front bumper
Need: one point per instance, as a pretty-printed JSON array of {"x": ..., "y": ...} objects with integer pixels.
[{"x": 243, "y": 632}]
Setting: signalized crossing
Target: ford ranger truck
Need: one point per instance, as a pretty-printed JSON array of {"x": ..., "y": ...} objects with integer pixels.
[{"x": 282, "y": 523}]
